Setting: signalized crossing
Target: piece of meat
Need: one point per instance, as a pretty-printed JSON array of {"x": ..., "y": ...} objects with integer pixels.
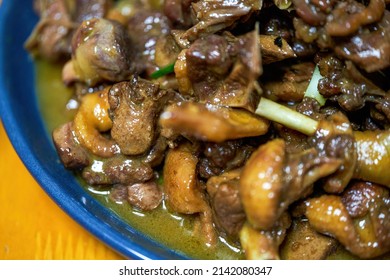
[
  {"x": 221, "y": 70},
  {"x": 92, "y": 122},
  {"x": 373, "y": 156},
  {"x": 118, "y": 194},
  {"x": 349, "y": 16},
  {"x": 290, "y": 84},
  {"x": 215, "y": 15},
  {"x": 304, "y": 243},
  {"x": 145, "y": 196},
  {"x": 228, "y": 213},
  {"x": 309, "y": 12},
  {"x": 274, "y": 48},
  {"x": 89, "y": 9},
  {"x": 179, "y": 12},
  {"x": 135, "y": 107},
  {"x": 181, "y": 186},
  {"x": 52, "y": 35},
  {"x": 334, "y": 138},
  {"x": 144, "y": 28},
  {"x": 166, "y": 50},
  {"x": 102, "y": 51},
  {"x": 71, "y": 153},
  {"x": 370, "y": 52},
  {"x": 216, "y": 158},
  {"x": 117, "y": 170}
]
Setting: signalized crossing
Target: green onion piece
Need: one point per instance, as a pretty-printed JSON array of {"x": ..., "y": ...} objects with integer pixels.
[
  {"x": 312, "y": 89},
  {"x": 163, "y": 71},
  {"x": 288, "y": 117}
]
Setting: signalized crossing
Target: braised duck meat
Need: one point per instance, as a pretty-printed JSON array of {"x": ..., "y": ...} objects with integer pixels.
[{"x": 262, "y": 126}]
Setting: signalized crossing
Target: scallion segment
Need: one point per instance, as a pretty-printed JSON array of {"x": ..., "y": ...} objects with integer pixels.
[
  {"x": 163, "y": 71},
  {"x": 312, "y": 89},
  {"x": 288, "y": 117}
]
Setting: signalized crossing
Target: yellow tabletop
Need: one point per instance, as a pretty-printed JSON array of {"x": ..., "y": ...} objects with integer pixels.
[{"x": 32, "y": 226}]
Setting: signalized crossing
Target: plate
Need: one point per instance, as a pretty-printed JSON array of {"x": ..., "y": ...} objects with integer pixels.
[{"x": 27, "y": 133}]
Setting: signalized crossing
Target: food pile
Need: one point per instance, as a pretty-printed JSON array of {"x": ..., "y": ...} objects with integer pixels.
[{"x": 266, "y": 120}]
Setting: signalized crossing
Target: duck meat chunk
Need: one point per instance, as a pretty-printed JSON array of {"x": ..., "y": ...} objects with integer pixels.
[
  {"x": 71, "y": 153},
  {"x": 144, "y": 29},
  {"x": 228, "y": 212},
  {"x": 52, "y": 35},
  {"x": 304, "y": 243},
  {"x": 217, "y": 158},
  {"x": 291, "y": 84},
  {"x": 222, "y": 70},
  {"x": 117, "y": 170},
  {"x": 369, "y": 50},
  {"x": 145, "y": 196},
  {"x": 274, "y": 48},
  {"x": 59, "y": 19},
  {"x": 264, "y": 244},
  {"x": 273, "y": 179},
  {"x": 102, "y": 51},
  {"x": 215, "y": 15},
  {"x": 89, "y": 9},
  {"x": 184, "y": 191},
  {"x": 179, "y": 12},
  {"x": 135, "y": 107}
]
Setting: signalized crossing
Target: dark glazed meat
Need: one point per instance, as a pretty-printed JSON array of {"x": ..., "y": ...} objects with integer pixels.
[
  {"x": 216, "y": 158},
  {"x": 228, "y": 213},
  {"x": 135, "y": 107},
  {"x": 142, "y": 196},
  {"x": 291, "y": 84},
  {"x": 370, "y": 51},
  {"x": 179, "y": 12},
  {"x": 212, "y": 16},
  {"x": 349, "y": 16},
  {"x": 52, "y": 35},
  {"x": 102, "y": 51},
  {"x": 89, "y": 9},
  {"x": 144, "y": 28},
  {"x": 117, "y": 170},
  {"x": 221, "y": 70},
  {"x": 145, "y": 196},
  {"x": 71, "y": 153},
  {"x": 59, "y": 20}
]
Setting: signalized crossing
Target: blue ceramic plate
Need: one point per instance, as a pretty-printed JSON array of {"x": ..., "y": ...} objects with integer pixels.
[{"x": 25, "y": 128}]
